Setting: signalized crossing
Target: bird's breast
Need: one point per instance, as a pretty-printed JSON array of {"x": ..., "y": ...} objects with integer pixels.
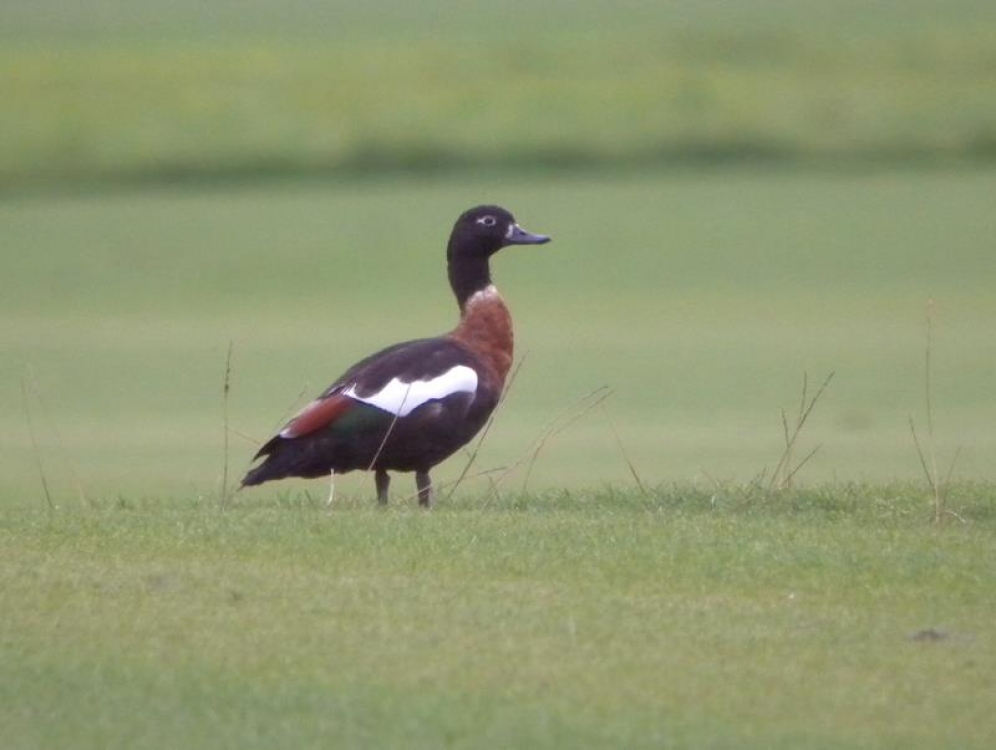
[{"x": 485, "y": 328}]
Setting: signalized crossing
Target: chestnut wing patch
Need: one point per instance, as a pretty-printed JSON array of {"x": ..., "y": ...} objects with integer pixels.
[{"x": 316, "y": 415}]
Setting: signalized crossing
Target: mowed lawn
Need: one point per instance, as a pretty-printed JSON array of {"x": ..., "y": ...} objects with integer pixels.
[
  {"x": 582, "y": 612},
  {"x": 699, "y": 299},
  {"x": 606, "y": 619},
  {"x": 620, "y": 574}
]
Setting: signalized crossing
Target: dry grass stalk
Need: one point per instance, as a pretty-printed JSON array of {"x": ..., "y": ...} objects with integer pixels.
[
  {"x": 487, "y": 427},
  {"x": 938, "y": 487},
  {"x": 553, "y": 428},
  {"x": 558, "y": 424},
  {"x": 781, "y": 477},
  {"x": 390, "y": 428},
  {"x": 625, "y": 454},
  {"x": 35, "y": 450},
  {"x": 54, "y": 428},
  {"x": 225, "y": 390}
]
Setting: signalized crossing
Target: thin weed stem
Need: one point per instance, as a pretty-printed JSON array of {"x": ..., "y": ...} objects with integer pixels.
[
  {"x": 35, "y": 450},
  {"x": 390, "y": 428},
  {"x": 225, "y": 390},
  {"x": 625, "y": 453},
  {"x": 584, "y": 405},
  {"x": 928, "y": 458},
  {"x": 292, "y": 408},
  {"x": 487, "y": 426},
  {"x": 54, "y": 427},
  {"x": 781, "y": 477}
]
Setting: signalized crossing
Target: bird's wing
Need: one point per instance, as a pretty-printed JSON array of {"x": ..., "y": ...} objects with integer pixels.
[{"x": 396, "y": 380}]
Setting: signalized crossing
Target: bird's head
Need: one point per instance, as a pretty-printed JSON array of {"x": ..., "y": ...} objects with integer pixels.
[{"x": 484, "y": 230}]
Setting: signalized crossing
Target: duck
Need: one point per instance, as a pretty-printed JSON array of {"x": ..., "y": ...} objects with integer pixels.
[{"x": 410, "y": 406}]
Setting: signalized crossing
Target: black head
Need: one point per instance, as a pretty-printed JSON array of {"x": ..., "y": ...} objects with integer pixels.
[{"x": 484, "y": 230}]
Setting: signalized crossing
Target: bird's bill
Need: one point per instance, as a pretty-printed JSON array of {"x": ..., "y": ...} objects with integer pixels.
[{"x": 519, "y": 236}]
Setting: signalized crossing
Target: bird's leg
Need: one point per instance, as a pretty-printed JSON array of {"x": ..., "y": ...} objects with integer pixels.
[
  {"x": 424, "y": 485},
  {"x": 383, "y": 481},
  {"x": 328, "y": 503}
]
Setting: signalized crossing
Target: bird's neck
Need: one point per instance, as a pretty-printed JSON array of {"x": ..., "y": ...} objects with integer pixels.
[
  {"x": 467, "y": 277},
  {"x": 486, "y": 329}
]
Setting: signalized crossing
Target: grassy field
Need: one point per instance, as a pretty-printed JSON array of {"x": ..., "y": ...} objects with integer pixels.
[
  {"x": 700, "y": 299},
  {"x": 835, "y": 619},
  {"x": 740, "y": 194},
  {"x": 149, "y": 93}
]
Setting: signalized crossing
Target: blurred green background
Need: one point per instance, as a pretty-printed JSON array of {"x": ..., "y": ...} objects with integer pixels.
[{"x": 739, "y": 193}]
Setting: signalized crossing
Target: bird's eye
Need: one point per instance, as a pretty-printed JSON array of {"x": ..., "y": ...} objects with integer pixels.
[{"x": 488, "y": 221}]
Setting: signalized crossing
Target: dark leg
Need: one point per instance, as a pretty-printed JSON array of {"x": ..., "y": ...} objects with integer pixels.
[
  {"x": 383, "y": 481},
  {"x": 424, "y": 485}
]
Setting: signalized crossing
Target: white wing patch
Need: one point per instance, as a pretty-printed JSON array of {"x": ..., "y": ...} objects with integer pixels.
[{"x": 403, "y": 398}]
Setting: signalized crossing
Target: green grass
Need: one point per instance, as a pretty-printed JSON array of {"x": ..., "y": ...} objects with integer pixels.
[
  {"x": 700, "y": 299},
  {"x": 566, "y": 609},
  {"x": 333, "y": 20},
  {"x": 185, "y": 94},
  {"x": 687, "y": 619}
]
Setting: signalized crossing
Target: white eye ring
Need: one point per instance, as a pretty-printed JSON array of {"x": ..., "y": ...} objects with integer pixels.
[{"x": 488, "y": 221}]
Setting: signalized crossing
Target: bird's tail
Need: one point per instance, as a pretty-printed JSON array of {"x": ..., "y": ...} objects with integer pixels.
[
  {"x": 258, "y": 475},
  {"x": 288, "y": 458},
  {"x": 274, "y": 466}
]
